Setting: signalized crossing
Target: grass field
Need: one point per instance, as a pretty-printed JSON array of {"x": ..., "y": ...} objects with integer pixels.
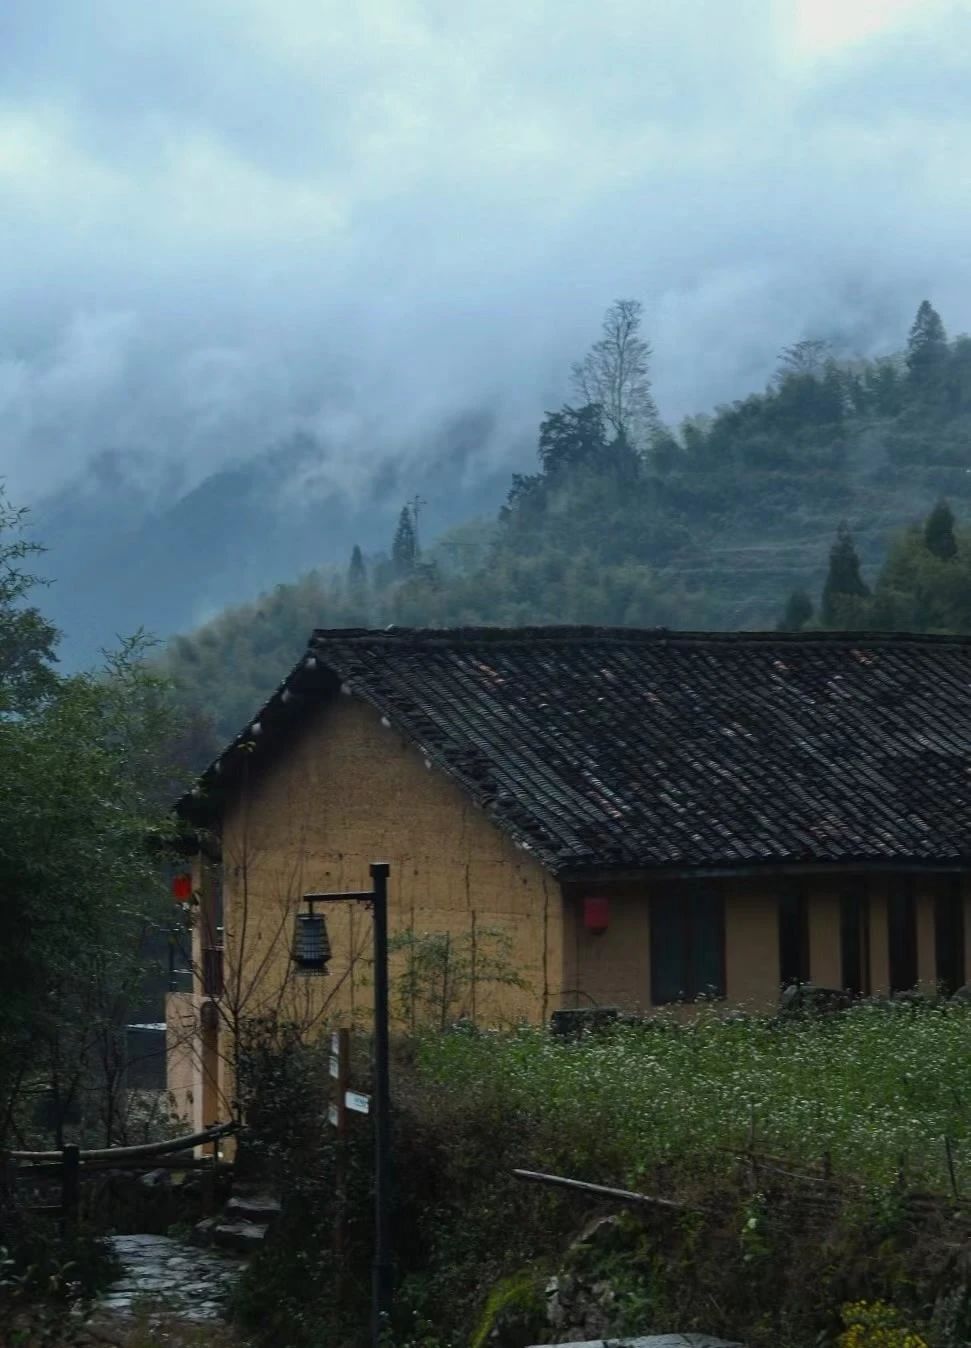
[{"x": 873, "y": 1088}]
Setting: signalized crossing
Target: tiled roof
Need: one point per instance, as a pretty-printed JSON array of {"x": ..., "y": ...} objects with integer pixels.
[{"x": 615, "y": 748}]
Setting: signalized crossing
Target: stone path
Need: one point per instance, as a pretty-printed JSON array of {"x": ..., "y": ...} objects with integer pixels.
[{"x": 193, "y": 1284}]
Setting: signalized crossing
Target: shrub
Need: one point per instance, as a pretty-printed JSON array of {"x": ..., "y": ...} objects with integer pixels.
[{"x": 669, "y": 1108}]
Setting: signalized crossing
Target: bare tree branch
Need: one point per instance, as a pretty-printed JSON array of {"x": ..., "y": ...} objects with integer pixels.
[{"x": 615, "y": 374}]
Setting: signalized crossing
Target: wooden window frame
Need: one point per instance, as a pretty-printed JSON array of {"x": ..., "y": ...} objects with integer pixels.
[{"x": 682, "y": 906}]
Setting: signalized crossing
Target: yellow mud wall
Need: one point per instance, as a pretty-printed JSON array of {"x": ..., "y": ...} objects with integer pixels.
[
  {"x": 348, "y": 790},
  {"x": 181, "y": 1059},
  {"x": 610, "y": 968},
  {"x": 825, "y": 956},
  {"x": 878, "y": 888},
  {"x": 752, "y": 944},
  {"x": 924, "y": 904},
  {"x": 614, "y": 967}
]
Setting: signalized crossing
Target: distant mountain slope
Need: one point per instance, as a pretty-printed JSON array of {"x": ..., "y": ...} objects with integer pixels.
[
  {"x": 122, "y": 556},
  {"x": 711, "y": 526}
]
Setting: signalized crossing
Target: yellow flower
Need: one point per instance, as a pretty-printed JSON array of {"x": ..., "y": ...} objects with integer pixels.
[{"x": 874, "y": 1324}]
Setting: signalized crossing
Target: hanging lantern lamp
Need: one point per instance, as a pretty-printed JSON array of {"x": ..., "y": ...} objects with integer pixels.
[{"x": 311, "y": 946}]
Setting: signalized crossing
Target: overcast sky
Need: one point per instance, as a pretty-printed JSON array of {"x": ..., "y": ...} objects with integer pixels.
[{"x": 220, "y": 219}]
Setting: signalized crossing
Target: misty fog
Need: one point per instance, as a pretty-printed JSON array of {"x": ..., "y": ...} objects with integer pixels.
[{"x": 225, "y": 222}]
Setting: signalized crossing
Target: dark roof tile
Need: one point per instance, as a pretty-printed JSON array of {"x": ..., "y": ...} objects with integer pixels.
[{"x": 615, "y": 748}]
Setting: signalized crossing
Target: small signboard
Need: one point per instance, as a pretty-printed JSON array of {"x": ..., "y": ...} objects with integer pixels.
[
  {"x": 332, "y": 1115},
  {"x": 335, "y": 1042},
  {"x": 361, "y": 1104},
  {"x": 335, "y": 1066}
]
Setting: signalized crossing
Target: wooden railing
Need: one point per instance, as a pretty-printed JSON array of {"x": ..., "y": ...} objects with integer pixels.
[{"x": 70, "y": 1163}]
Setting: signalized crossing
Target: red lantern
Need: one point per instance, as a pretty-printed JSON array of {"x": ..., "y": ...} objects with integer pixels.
[
  {"x": 596, "y": 914},
  {"x": 182, "y": 887}
]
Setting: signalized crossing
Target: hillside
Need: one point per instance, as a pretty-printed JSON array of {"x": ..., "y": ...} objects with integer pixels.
[
  {"x": 712, "y": 524},
  {"x": 125, "y": 551}
]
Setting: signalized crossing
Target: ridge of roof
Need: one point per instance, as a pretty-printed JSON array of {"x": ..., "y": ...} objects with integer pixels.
[{"x": 553, "y": 634}]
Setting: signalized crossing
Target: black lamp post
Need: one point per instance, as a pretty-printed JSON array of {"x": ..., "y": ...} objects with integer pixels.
[{"x": 311, "y": 953}]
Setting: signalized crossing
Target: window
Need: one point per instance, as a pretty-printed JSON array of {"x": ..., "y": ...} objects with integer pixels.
[
  {"x": 212, "y": 971},
  {"x": 793, "y": 939},
  {"x": 902, "y": 935},
  {"x": 852, "y": 944},
  {"x": 210, "y": 930},
  {"x": 949, "y": 934},
  {"x": 687, "y": 946}
]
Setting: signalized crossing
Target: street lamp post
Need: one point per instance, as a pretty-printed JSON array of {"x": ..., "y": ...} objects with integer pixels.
[{"x": 310, "y": 953}]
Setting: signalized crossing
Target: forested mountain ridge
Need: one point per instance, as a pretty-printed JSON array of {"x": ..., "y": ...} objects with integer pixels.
[
  {"x": 125, "y": 551},
  {"x": 629, "y": 522}
]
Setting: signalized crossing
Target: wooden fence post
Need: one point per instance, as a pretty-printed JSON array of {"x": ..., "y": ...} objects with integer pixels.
[{"x": 70, "y": 1189}]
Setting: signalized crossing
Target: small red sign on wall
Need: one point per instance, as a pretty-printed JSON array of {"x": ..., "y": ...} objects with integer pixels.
[
  {"x": 182, "y": 888},
  {"x": 596, "y": 914}
]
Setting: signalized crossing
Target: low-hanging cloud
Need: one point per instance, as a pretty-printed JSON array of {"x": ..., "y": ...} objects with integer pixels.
[{"x": 221, "y": 223}]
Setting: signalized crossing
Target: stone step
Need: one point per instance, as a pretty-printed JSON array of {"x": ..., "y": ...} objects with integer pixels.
[
  {"x": 241, "y": 1237},
  {"x": 261, "y": 1208}
]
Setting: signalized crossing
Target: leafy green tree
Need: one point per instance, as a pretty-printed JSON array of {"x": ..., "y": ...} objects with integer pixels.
[
  {"x": 884, "y": 387},
  {"x": 85, "y": 783},
  {"x": 927, "y": 348},
  {"x": 404, "y": 548},
  {"x": 357, "y": 572},
  {"x": 834, "y": 394},
  {"x": 86, "y": 774},
  {"x": 843, "y": 580},
  {"x": 939, "y": 532},
  {"x": 804, "y": 357},
  {"x": 572, "y": 437},
  {"x": 666, "y": 453},
  {"x": 959, "y": 378},
  {"x": 27, "y": 639},
  {"x": 798, "y": 611},
  {"x": 357, "y": 585}
]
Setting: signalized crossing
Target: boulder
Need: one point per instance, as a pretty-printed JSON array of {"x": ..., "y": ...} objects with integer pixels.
[
  {"x": 805, "y": 999},
  {"x": 156, "y": 1179},
  {"x": 202, "y": 1231},
  {"x": 572, "y": 1022}
]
